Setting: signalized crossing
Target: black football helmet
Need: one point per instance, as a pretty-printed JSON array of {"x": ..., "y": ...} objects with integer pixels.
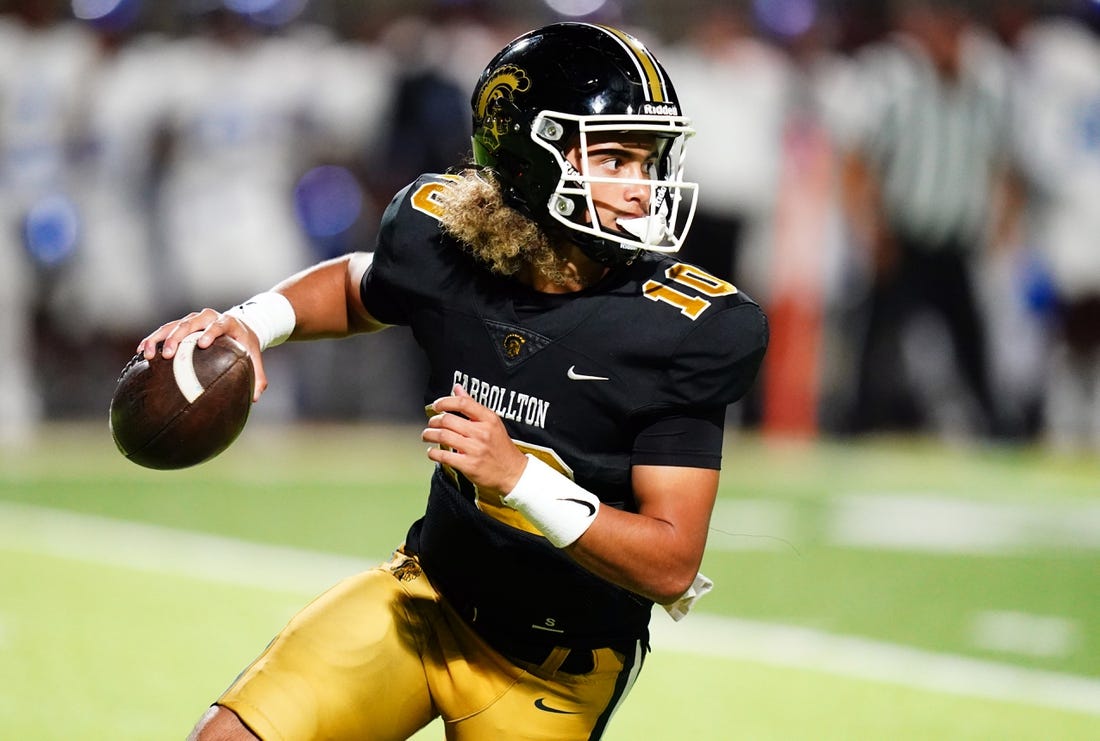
[{"x": 549, "y": 90}]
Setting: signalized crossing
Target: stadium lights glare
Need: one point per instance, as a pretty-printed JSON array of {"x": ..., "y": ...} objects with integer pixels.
[
  {"x": 575, "y": 8},
  {"x": 269, "y": 12},
  {"x": 90, "y": 10}
]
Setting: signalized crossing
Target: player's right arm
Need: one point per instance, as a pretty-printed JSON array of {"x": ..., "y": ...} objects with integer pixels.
[{"x": 325, "y": 299}]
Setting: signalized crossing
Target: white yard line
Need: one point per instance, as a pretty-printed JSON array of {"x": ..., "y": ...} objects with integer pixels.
[
  {"x": 163, "y": 550},
  {"x": 860, "y": 658},
  {"x": 939, "y": 524},
  {"x": 1026, "y": 634},
  {"x": 91, "y": 539},
  {"x": 926, "y": 523}
]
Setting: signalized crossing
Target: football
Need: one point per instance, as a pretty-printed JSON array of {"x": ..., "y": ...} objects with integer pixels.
[{"x": 179, "y": 412}]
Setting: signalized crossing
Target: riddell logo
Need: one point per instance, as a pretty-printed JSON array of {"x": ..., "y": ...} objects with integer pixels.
[{"x": 660, "y": 109}]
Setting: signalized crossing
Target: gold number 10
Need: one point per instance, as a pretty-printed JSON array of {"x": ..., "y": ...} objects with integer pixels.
[{"x": 692, "y": 277}]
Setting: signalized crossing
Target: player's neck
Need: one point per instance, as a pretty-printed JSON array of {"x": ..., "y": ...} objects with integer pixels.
[{"x": 580, "y": 272}]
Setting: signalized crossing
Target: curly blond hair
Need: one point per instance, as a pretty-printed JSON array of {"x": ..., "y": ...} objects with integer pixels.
[{"x": 473, "y": 212}]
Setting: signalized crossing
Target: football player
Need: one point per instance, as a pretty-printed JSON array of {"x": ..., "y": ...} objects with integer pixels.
[{"x": 579, "y": 376}]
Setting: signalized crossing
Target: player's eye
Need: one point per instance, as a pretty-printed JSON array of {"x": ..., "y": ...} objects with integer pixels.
[{"x": 609, "y": 162}]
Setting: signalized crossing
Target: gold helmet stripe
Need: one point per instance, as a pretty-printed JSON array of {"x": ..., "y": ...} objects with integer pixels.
[{"x": 647, "y": 65}]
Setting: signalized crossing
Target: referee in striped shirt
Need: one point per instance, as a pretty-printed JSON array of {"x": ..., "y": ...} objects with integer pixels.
[{"x": 921, "y": 186}]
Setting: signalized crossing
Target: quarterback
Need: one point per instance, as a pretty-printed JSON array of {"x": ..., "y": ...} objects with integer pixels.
[{"x": 579, "y": 376}]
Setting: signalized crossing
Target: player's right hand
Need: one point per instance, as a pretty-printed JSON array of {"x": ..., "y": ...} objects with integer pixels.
[
  {"x": 212, "y": 324},
  {"x": 473, "y": 440}
]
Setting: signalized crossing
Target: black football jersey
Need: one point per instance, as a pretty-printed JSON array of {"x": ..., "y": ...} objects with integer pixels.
[{"x": 591, "y": 382}]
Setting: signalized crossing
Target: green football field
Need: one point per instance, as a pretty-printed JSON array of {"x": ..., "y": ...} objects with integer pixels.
[{"x": 888, "y": 590}]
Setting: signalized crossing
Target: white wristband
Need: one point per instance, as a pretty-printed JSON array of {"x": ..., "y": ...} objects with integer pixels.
[
  {"x": 269, "y": 315},
  {"x": 560, "y": 509}
]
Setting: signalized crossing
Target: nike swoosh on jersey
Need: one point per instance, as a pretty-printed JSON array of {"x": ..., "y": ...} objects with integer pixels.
[
  {"x": 574, "y": 376},
  {"x": 541, "y": 705}
]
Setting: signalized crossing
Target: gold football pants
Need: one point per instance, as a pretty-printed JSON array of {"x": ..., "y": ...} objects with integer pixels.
[{"x": 381, "y": 654}]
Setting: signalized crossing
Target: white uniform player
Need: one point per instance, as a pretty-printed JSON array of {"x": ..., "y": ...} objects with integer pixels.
[
  {"x": 1060, "y": 147},
  {"x": 120, "y": 114},
  {"x": 225, "y": 205},
  {"x": 41, "y": 69},
  {"x": 738, "y": 150}
]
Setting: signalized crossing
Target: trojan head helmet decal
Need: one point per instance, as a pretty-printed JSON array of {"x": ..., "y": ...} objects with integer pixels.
[{"x": 499, "y": 85}]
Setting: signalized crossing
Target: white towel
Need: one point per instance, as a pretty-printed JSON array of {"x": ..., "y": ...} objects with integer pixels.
[{"x": 682, "y": 606}]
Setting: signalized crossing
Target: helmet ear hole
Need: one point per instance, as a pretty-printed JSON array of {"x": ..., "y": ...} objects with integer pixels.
[
  {"x": 549, "y": 129},
  {"x": 563, "y": 205}
]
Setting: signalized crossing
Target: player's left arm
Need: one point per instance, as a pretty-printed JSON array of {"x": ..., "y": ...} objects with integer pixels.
[
  {"x": 657, "y": 551},
  {"x": 654, "y": 552}
]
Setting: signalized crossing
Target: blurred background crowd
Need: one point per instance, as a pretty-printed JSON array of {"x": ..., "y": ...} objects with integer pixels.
[{"x": 911, "y": 188}]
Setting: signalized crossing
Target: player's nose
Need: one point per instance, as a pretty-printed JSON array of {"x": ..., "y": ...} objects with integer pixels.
[{"x": 637, "y": 195}]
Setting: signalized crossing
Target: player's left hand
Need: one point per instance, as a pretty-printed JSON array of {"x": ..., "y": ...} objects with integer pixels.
[{"x": 474, "y": 441}]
